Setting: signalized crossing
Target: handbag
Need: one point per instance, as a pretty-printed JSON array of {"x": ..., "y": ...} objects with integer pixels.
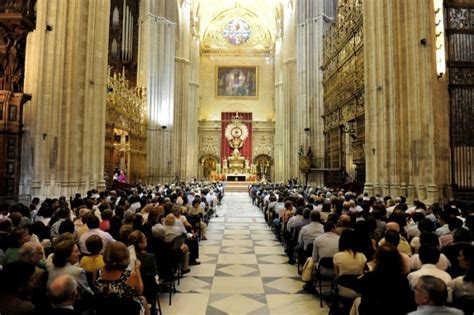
[{"x": 308, "y": 267}]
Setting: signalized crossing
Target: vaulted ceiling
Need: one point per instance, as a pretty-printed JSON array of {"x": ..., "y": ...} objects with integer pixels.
[{"x": 266, "y": 10}]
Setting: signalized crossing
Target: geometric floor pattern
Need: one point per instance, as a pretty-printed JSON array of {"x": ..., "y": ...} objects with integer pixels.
[{"x": 243, "y": 269}]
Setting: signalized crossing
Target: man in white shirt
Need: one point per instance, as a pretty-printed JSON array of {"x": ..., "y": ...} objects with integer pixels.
[
  {"x": 429, "y": 256},
  {"x": 93, "y": 224}
]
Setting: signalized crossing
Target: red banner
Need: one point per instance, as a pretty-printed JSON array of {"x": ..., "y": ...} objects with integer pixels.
[{"x": 246, "y": 150}]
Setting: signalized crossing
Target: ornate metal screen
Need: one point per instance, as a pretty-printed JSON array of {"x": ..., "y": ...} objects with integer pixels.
[{"x": 460, "y": 38}]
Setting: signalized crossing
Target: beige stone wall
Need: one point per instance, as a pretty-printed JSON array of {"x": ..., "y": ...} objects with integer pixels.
[
  {"x": 407, "y": 147},
  {"x": 66, "y": 76},
  {"x": 211, "y": 107}
]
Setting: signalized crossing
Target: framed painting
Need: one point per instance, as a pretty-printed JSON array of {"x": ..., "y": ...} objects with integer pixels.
[{"x": 237, "y": 82}]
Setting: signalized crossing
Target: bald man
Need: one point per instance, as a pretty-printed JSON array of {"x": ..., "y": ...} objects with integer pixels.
[
  {"x": 344, "y": 222},
  {"x": 403, "y": 246},
  {"x": 62, "y": 292}
]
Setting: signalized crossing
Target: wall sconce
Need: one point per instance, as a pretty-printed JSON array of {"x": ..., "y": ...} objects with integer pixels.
[{"x": 44, "y": 136}]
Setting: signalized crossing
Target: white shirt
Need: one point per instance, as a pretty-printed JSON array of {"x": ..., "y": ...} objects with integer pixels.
[
  {"x": 325, "y": 245},
  {"x": 442, "y": 264},
  {"x": 309, "y": 233},
  {"x": 436, "y": 310},
  {"x": 432, "y": 270},
  {"x": 443, "y": 230},
  {"x": 106, "y": 239}
]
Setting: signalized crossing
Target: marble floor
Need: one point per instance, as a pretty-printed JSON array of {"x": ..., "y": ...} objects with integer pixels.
[{"x": 243, "y": 269}]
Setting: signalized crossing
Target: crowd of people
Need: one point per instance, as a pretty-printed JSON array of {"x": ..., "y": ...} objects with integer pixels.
[
  {"x": 382, "y": 255},
  {"x": 64, "y": 256},
  {"x": 386, "y": 256}
]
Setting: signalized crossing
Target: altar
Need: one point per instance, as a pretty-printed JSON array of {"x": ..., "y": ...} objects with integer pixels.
[
  {"x": 236, "y": 177},
  {"x": 236, "y": 166}
]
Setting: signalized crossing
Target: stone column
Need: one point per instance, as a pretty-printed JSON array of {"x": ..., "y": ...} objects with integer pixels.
[
  {"x": 407, "y": 137},
  {"x": 190, "y": 149},
  {"x": 66, "y": 76},
  {"x": 281, "y": 173},
  {"x": 313, "y": 18},
  {"x": 182, "y": 81},
  {"x": 286, "y": 136},
  {"x": 156, "y": 72}
]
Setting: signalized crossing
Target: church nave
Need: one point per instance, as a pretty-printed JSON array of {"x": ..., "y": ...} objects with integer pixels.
[{"x": 243, "y": 270}]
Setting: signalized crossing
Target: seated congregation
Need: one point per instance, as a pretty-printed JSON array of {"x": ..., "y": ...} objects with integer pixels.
[
  {"x": 116, "y": 251},
  {"x": 109, "y": 252},
  {"x": 374, "y": 255}
]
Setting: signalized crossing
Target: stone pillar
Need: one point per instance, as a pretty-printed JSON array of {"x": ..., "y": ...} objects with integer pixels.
[
  {"x": 66, "y": 76},
  {"x": 191, "y": 152},
  {"x": 182, "y": 81},
  {"x": 156, "y": 72},
  {"x": 313, "y": 18},
  {"x": 281, "y": 136},
  {"x": 286, "y": 136},
  {"x": 407, "y": 139}
]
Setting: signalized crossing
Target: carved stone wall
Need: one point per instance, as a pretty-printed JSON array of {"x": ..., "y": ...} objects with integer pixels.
[{"x": 344, "y": 89}]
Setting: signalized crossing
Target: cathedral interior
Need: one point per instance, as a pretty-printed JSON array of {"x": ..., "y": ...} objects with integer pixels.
[{"x": 374, "y": 94}]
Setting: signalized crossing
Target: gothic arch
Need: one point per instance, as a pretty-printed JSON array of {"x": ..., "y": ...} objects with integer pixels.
[
  {"x": 264, "y": 166},
  {"x": 209, "y": 166}
]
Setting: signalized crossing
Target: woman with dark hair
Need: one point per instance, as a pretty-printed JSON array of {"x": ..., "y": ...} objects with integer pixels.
[
  {"x": 463, "y": 286},
  {"x": 152, "y": 219},
  {"x": 115, "y": 225},
  {"x": 385, "y": 289},
  {"x": 364, "y": 243},
  {"x": 44, "y": 213},
  {"x": 148, "y": 264},
  {"x": 116, "y": 278},
  {"x": 348, "y": 261},
  {"x": 148, "y": 268},
  {"x": 65, "y": 258}
]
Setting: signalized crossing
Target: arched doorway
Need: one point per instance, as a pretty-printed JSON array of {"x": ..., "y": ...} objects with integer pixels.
[
  {"x": 121, "y": 153},
  {"x": 209, "y": 166},
  {"x": 263, "y": 164}
]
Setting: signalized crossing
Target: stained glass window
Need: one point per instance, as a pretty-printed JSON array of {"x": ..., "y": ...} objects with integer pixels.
[{"x": 237, "y": 31}]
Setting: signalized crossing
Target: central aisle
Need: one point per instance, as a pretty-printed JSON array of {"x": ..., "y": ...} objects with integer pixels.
[{"x": 243, "y": 269}]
